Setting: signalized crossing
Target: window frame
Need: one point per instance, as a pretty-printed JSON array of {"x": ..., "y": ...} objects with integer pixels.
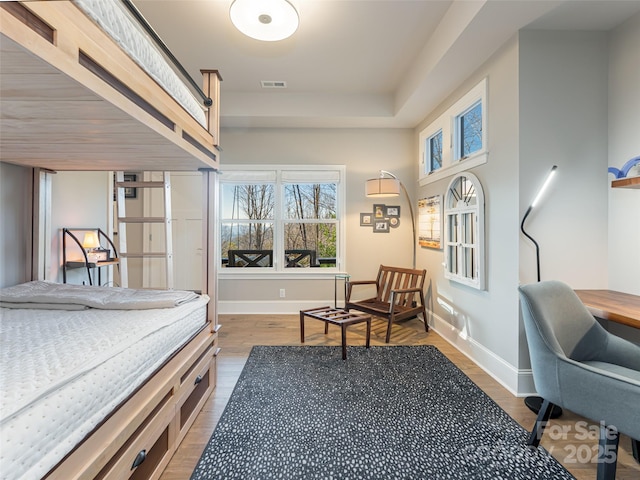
[
  {"x": 477, "y": 244},
  {"x": 452, "y": 161},
  {"x": 279, "y": 221}
]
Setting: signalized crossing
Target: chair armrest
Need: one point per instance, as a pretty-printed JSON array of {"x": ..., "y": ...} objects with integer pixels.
[
  {"x": 357, "y": 282},
  {"x": 600, "y": 395},
  {"x": 406, "y": 290}
]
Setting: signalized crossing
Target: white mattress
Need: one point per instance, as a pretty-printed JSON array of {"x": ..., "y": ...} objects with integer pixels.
[
  {"x": 114, "y": 19},
  {"x": 62, "y": 372}
]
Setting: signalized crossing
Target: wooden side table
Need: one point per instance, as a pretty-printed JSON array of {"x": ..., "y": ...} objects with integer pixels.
[{"x": 337, "y": 317}]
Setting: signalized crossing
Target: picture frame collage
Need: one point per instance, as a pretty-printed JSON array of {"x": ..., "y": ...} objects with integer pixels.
[{"x": 382, "y": 218}]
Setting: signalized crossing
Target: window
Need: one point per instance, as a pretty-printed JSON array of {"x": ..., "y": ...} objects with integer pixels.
[
  {"x": 282, "y": 218},
  {"x": 457, "y": 140},
  {"x": 433, "y": 150},
  {"x": 469, "y": 132},
  {"x": 464, "y": 231}
]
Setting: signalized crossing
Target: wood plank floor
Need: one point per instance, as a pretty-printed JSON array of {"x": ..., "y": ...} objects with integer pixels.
[{"x": 571, "y": 439}]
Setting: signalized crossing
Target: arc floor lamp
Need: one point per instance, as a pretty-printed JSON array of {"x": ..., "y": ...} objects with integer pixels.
[
  {"x": 390, "y": 186},
  {"x": 533, "y": 402}
]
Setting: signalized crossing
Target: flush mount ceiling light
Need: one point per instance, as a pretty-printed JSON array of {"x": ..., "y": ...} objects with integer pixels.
[{"x": 267, "y": 20}]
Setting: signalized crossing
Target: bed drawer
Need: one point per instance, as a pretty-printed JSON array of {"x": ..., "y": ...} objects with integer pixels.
[
  {"x": 150, "y": 447},
  {"x": 195, "y": 391}
]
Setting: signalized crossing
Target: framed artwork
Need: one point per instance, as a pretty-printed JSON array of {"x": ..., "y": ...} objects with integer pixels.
[
  {"x": 393, "y": 211},
  {"x": 379, "y": 210},
  {"x": 381, "y": 226},
  {"x": 130, "y": 192},
  {"x": 394, "y": 222},
  {"x": 430, "y": 221},
  {"x": 366, "y": 219}
]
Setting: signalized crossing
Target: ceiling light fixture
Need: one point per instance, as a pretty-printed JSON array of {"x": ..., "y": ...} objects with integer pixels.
[{"x": 266, "y": 20}]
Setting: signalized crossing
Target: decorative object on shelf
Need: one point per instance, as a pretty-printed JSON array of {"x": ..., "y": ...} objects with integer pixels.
[
  {"x": 623, "y": 180},
  {"x": 389, "y": 186},
  {"x": 626, "y": 168},
  {"x": 534, "y": 403},
  {"x": 430, "y": 221},
  {"x": 266, "y": 20}
]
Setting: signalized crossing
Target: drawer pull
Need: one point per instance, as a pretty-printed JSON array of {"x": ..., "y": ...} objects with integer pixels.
[
  {"x": 198, "y": 380},
  {"x": 141, "y": 457}
]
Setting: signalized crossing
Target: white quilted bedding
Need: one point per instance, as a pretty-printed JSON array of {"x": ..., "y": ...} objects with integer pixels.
[
  {"x": 116, "y": 21},
  {"x": 62, "y": 372},
  {"x": 44, "y": 294}
]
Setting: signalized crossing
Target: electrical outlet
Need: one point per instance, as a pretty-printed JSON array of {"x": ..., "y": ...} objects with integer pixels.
[{"x": 282, "y": 295}]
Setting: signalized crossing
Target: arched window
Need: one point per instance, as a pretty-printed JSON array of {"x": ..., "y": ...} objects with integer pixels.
[{"x": 464, "y": 231}]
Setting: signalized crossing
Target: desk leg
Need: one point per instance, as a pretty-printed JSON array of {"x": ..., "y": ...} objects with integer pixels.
[
  {"x": 368, "y": 332},
  {"x": 344, "y": 341},
  {"x": 301, "y": 327}
]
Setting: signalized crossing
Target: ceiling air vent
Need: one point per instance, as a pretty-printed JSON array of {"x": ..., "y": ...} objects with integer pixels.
[{"x": 273, "y": 84}]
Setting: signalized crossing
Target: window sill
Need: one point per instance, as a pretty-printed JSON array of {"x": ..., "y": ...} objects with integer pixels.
[
  {"x": 268, "y": 274},
  {"x": 460, "y": 166}
]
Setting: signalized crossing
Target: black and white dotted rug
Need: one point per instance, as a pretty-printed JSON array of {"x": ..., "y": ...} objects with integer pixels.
[{"x": 384, "y": 413}]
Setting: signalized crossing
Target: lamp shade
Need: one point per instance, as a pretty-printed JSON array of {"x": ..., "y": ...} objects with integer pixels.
[
  {"x": 90, "y": 240},
  {"x": 382, "y": 187},
  {"x": 266, "y": 20}
]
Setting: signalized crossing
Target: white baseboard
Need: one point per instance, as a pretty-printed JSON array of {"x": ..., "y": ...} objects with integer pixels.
[
  {"x": 282, "y": 307},
  {"x": 518, "y": 381}
]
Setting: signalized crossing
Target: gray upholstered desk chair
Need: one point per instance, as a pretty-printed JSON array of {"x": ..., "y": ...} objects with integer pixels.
[{"x": 580, "y": 366}]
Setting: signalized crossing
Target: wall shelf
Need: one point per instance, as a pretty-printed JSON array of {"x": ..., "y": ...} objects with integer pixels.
[{"x": 633, "y": 182}]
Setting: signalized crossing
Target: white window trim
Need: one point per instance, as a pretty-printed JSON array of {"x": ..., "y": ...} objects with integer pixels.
[
  {"x": 478, "y": 209},
  {"x": 278, "y": 222},
  {"x": 446, "y": 122}
]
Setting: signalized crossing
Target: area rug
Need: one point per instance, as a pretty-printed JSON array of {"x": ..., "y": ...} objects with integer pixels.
[{"x": 384, "y": 413}]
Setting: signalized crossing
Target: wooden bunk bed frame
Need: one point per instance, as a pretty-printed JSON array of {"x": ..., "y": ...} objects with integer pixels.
[{"x": 69, "y": 93}]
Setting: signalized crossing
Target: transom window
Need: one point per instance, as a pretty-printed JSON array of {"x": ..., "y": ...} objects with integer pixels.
[
  {"x": 457, "y": 139},
  {"x": 282, "y": 217},
  {"x": 469, "y": 132},
  {"x": 434, "y": 152}
]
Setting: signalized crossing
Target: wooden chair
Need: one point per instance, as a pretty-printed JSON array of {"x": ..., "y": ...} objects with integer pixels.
[
  {"x": 250, "y": 258},
  {"x": 399, "y": 295},
  {"x": 300, "y": 258}
]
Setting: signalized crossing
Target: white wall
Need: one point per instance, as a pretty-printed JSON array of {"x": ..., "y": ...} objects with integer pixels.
[
  {"x": 484, "y": 324},
  {"x": 15, "y": 224},
  {"x": 78, "y": 200},
  {"x": 547, "y": 105},
  {"x": 364, "y": 152},
  {"x": 563, "y": 121},
  {"x": 624, "y": 144}
]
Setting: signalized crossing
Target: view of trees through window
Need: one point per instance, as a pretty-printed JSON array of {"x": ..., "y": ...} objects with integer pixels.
[
  {"x": 304, "y": 224},
  {"x": 471, "y": 131}
]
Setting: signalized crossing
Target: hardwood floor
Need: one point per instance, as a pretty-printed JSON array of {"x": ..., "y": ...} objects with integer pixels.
[{"x": 571, "y": 439}]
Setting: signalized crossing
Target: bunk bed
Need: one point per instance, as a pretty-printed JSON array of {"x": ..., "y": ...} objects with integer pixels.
[
  {"x": 71, "y": 91},
  {"x": 81, "y": 90}
]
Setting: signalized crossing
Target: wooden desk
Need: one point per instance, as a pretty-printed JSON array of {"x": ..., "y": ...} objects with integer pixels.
[{"x": 616, "y": 307}]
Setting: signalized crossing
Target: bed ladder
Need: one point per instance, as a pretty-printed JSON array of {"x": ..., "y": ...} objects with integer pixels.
[{"x": 153, "y": 180}]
